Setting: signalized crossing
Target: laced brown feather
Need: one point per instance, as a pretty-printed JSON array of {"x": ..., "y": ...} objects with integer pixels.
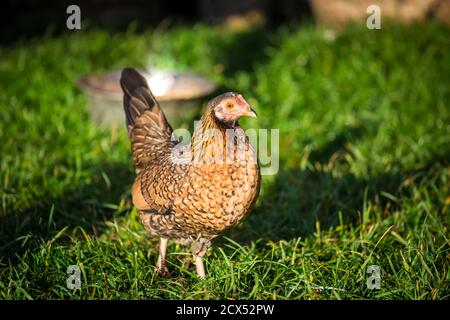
[{"x": 196, "y": 196}]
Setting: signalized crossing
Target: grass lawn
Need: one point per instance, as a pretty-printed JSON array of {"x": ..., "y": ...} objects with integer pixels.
[{"x": 364, "y": 175}]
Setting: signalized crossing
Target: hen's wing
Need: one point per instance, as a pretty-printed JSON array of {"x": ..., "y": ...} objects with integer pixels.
[{"x": 149, "y": 131}]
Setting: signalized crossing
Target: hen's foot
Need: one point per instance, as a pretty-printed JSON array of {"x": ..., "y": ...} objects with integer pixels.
[{"x": 163, "y": 271}]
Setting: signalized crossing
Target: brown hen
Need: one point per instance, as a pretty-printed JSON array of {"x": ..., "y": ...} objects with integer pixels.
[{"x": 189, "y": 192}]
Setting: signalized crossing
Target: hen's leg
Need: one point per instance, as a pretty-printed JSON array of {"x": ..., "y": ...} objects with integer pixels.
[
  {"x": 161, "y": 266},
  {"x": 199, "y": 249},
  {"x": 199, "y": 266}
]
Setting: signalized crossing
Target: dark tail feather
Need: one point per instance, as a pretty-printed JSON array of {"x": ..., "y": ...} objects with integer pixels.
[
  {"x": 137, "y": 95},
  {"x": 148, "y": 129}
]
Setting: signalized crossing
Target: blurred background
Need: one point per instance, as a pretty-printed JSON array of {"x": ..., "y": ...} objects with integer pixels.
[
  {"x": 364, "y": 123},
  {"x": 31, "y": 17}
]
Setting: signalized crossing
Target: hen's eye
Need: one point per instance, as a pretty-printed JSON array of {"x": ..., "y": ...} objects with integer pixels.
[{"x": 229, "y": 105}]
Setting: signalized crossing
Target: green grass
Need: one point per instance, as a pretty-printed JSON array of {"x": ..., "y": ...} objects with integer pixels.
[{"x": 364, "y": 166}]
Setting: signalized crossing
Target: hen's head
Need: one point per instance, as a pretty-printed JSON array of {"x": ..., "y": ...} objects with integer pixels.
[{"x": 229, "y": 107}]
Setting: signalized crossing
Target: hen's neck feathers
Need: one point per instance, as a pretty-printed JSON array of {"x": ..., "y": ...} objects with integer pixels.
[{"x": 209, "y": 140}]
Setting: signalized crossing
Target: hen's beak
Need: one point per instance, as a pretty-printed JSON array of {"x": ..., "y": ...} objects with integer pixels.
[
  {"x": 249, "y": 113},
  {"x": 246, "y": 110}
]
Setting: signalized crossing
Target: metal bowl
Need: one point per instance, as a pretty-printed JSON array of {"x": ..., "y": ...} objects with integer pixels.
[{"x": 179, "y": 94}]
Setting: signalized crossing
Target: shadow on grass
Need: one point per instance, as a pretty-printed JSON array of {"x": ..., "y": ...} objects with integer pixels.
[
  {"x": 86, "y": 206},
  {"x": 298, "y": 199}
]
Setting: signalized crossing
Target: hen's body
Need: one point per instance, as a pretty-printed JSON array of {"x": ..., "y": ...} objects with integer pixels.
[
  {"x": 189, "y": 193},
  {"x": 199, "y": 201}
]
